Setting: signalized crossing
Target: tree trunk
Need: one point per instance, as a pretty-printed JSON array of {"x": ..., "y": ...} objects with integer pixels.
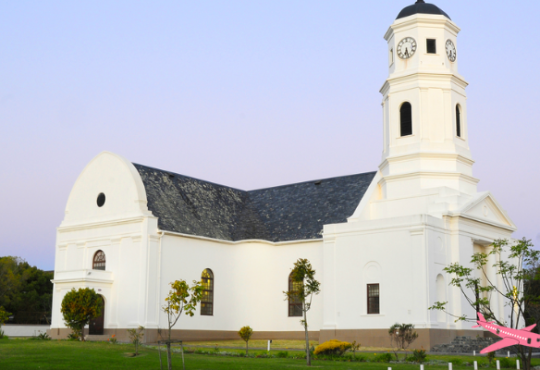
[
  {"x": 246, "y": 348},
  {"x": 160, "y": 362},
  {"x": 182, "y": 349},
  {"x": 308, "y": 358},
  {"x": 82, "y": 334},
  {"x": 169, "y": 364}
]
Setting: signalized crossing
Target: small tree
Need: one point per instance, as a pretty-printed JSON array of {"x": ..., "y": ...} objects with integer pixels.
[
  {"x": 245, "y": 333},
  {"x": 401, "y": 337},
  {"x": 181, "y": 298},
  {"x": 516, "y": 265},
  {"x": 79, "y": 307},
  {"x": 304, "y": 274},
  {"x": 355, "y": 347},
  {"x": 136, "y": 336}
]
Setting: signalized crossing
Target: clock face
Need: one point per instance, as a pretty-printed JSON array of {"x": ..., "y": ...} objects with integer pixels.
[
  {"x": 451, "y": 50},
  {"x": 406, "y": 48}
]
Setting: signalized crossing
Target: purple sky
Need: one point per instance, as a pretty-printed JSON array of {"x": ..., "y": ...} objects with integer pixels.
[{"x": 248, "y": 94}]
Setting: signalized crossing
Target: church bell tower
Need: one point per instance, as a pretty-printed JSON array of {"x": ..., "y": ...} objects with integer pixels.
[{"x": 426, "y": 143}]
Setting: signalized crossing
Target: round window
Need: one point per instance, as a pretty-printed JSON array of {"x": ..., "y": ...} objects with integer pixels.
[{"x": 100, "y": 199}]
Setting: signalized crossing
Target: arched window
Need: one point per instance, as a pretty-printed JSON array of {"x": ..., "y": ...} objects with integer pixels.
[
  {"x": 405, "y": 119},
  {"x": 458, "y": 120},
  {"x": 295, "y": 304},
  {"x": 99, "y": 261},
  {"x": 207, "y": 301}
]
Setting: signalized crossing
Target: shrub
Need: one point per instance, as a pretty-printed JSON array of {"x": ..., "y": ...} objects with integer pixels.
[
  {"x": 3, "y": 335},
  {"x": 490, "y": 357},
  {"x": 384, "y": 357},
  {"x": 42, "y": 336},
  {"x": 456, "y": 361},
  {"x": 332, "y": 347},
  {"x": 73, "y": 336},
  {"x": 282, "y": 354},
  {"x": 419, "y": 355},
  {"x": 506, "y": 363}
]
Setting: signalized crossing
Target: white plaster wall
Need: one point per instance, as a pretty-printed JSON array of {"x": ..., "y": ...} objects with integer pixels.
[
  {"x": 120, "y": 228},
  {"x": 15, "y": 330},
  {"x": 249, "y": 282}
]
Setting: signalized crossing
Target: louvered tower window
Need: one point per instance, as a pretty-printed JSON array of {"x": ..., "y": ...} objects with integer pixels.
[
  {"x": 458, "y": 120},
  {"x": 405, "y": 115}
]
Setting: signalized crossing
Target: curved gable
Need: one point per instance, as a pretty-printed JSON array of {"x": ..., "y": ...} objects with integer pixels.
[{"x": 118, "y": 180}]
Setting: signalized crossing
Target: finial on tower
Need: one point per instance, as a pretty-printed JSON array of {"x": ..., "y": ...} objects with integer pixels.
[{"x": 420, "y": 2}]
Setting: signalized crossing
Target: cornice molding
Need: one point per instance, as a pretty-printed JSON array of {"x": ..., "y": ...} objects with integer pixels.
[
  {"x": 236, "y": 242},
  {"x": 416, "y": 20},
  {"x": 425, "y": 155},
  {"x": 390, "y": 178},
  {"x": 98, "y": 224}
]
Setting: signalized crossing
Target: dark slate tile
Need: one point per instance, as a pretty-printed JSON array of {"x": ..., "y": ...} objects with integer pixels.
[{"x": 284, "y": 213}]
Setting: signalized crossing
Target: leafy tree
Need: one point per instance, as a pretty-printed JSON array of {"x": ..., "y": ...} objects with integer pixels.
[
  {"x": 516, "y": 266},
  {"x": 79, "y": 307},
  {"x": 181, "y": 298},
  {"x": 245, "y": 333},
  {"x": 304, "y": 274},
  {"x": 136, "y": 336},
  {"x": 25, "y": 290},
  {"x": 401, "y": 337},
  {"x": 9, "y": 279},
  {"x": 4, "y": 316}
]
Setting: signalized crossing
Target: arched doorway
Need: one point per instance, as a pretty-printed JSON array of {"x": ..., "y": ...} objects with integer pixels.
[{"x": 96, "y": 324}]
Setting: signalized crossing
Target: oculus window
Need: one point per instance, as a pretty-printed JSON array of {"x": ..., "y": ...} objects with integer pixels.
[{"x": 100, "y": 200}]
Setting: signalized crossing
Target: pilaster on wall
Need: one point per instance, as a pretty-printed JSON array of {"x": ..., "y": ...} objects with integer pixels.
[
  {"x": 328, "y": 283},
  {"x": 419, "y": 269}
]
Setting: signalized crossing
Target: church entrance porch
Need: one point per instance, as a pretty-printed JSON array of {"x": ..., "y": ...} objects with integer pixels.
[{"x": 96, "y": 324}]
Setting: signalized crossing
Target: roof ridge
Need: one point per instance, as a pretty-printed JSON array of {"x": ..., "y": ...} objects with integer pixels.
[
  {"x": 314, "y": 181},
  {"x": 258, "y": 189}
]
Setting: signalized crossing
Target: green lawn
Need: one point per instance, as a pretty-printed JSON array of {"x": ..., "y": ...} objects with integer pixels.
[{"x": 57, "y": 355}]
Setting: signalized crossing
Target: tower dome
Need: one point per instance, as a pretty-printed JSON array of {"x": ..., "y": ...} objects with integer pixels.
[{"x": 423, "y": 8}]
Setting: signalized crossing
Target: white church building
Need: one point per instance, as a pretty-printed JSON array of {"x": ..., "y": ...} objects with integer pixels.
[{"x": 379, "y": 241}]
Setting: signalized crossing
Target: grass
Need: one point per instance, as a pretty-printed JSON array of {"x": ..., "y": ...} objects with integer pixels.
[
  {"x": 281, "y": 344},
  {"x": 18, "y": 354},
  {"x": 286, "y": 344}
]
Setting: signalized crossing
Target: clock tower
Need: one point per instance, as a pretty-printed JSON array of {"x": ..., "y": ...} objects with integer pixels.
[{"x": 424, "y": 108}]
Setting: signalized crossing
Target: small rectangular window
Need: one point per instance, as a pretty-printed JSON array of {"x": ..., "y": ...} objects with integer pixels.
[
  {"x": 431, "y": 46},
  {"x": 373, "y": 298},
  {"x": 391, "y": 57}
]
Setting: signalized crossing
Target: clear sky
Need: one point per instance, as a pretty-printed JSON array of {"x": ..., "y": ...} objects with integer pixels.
[{"x": 248, "y": 94}]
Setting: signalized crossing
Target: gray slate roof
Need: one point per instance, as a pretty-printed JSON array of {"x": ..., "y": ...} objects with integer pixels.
[{"x": 289, "y": 212}]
